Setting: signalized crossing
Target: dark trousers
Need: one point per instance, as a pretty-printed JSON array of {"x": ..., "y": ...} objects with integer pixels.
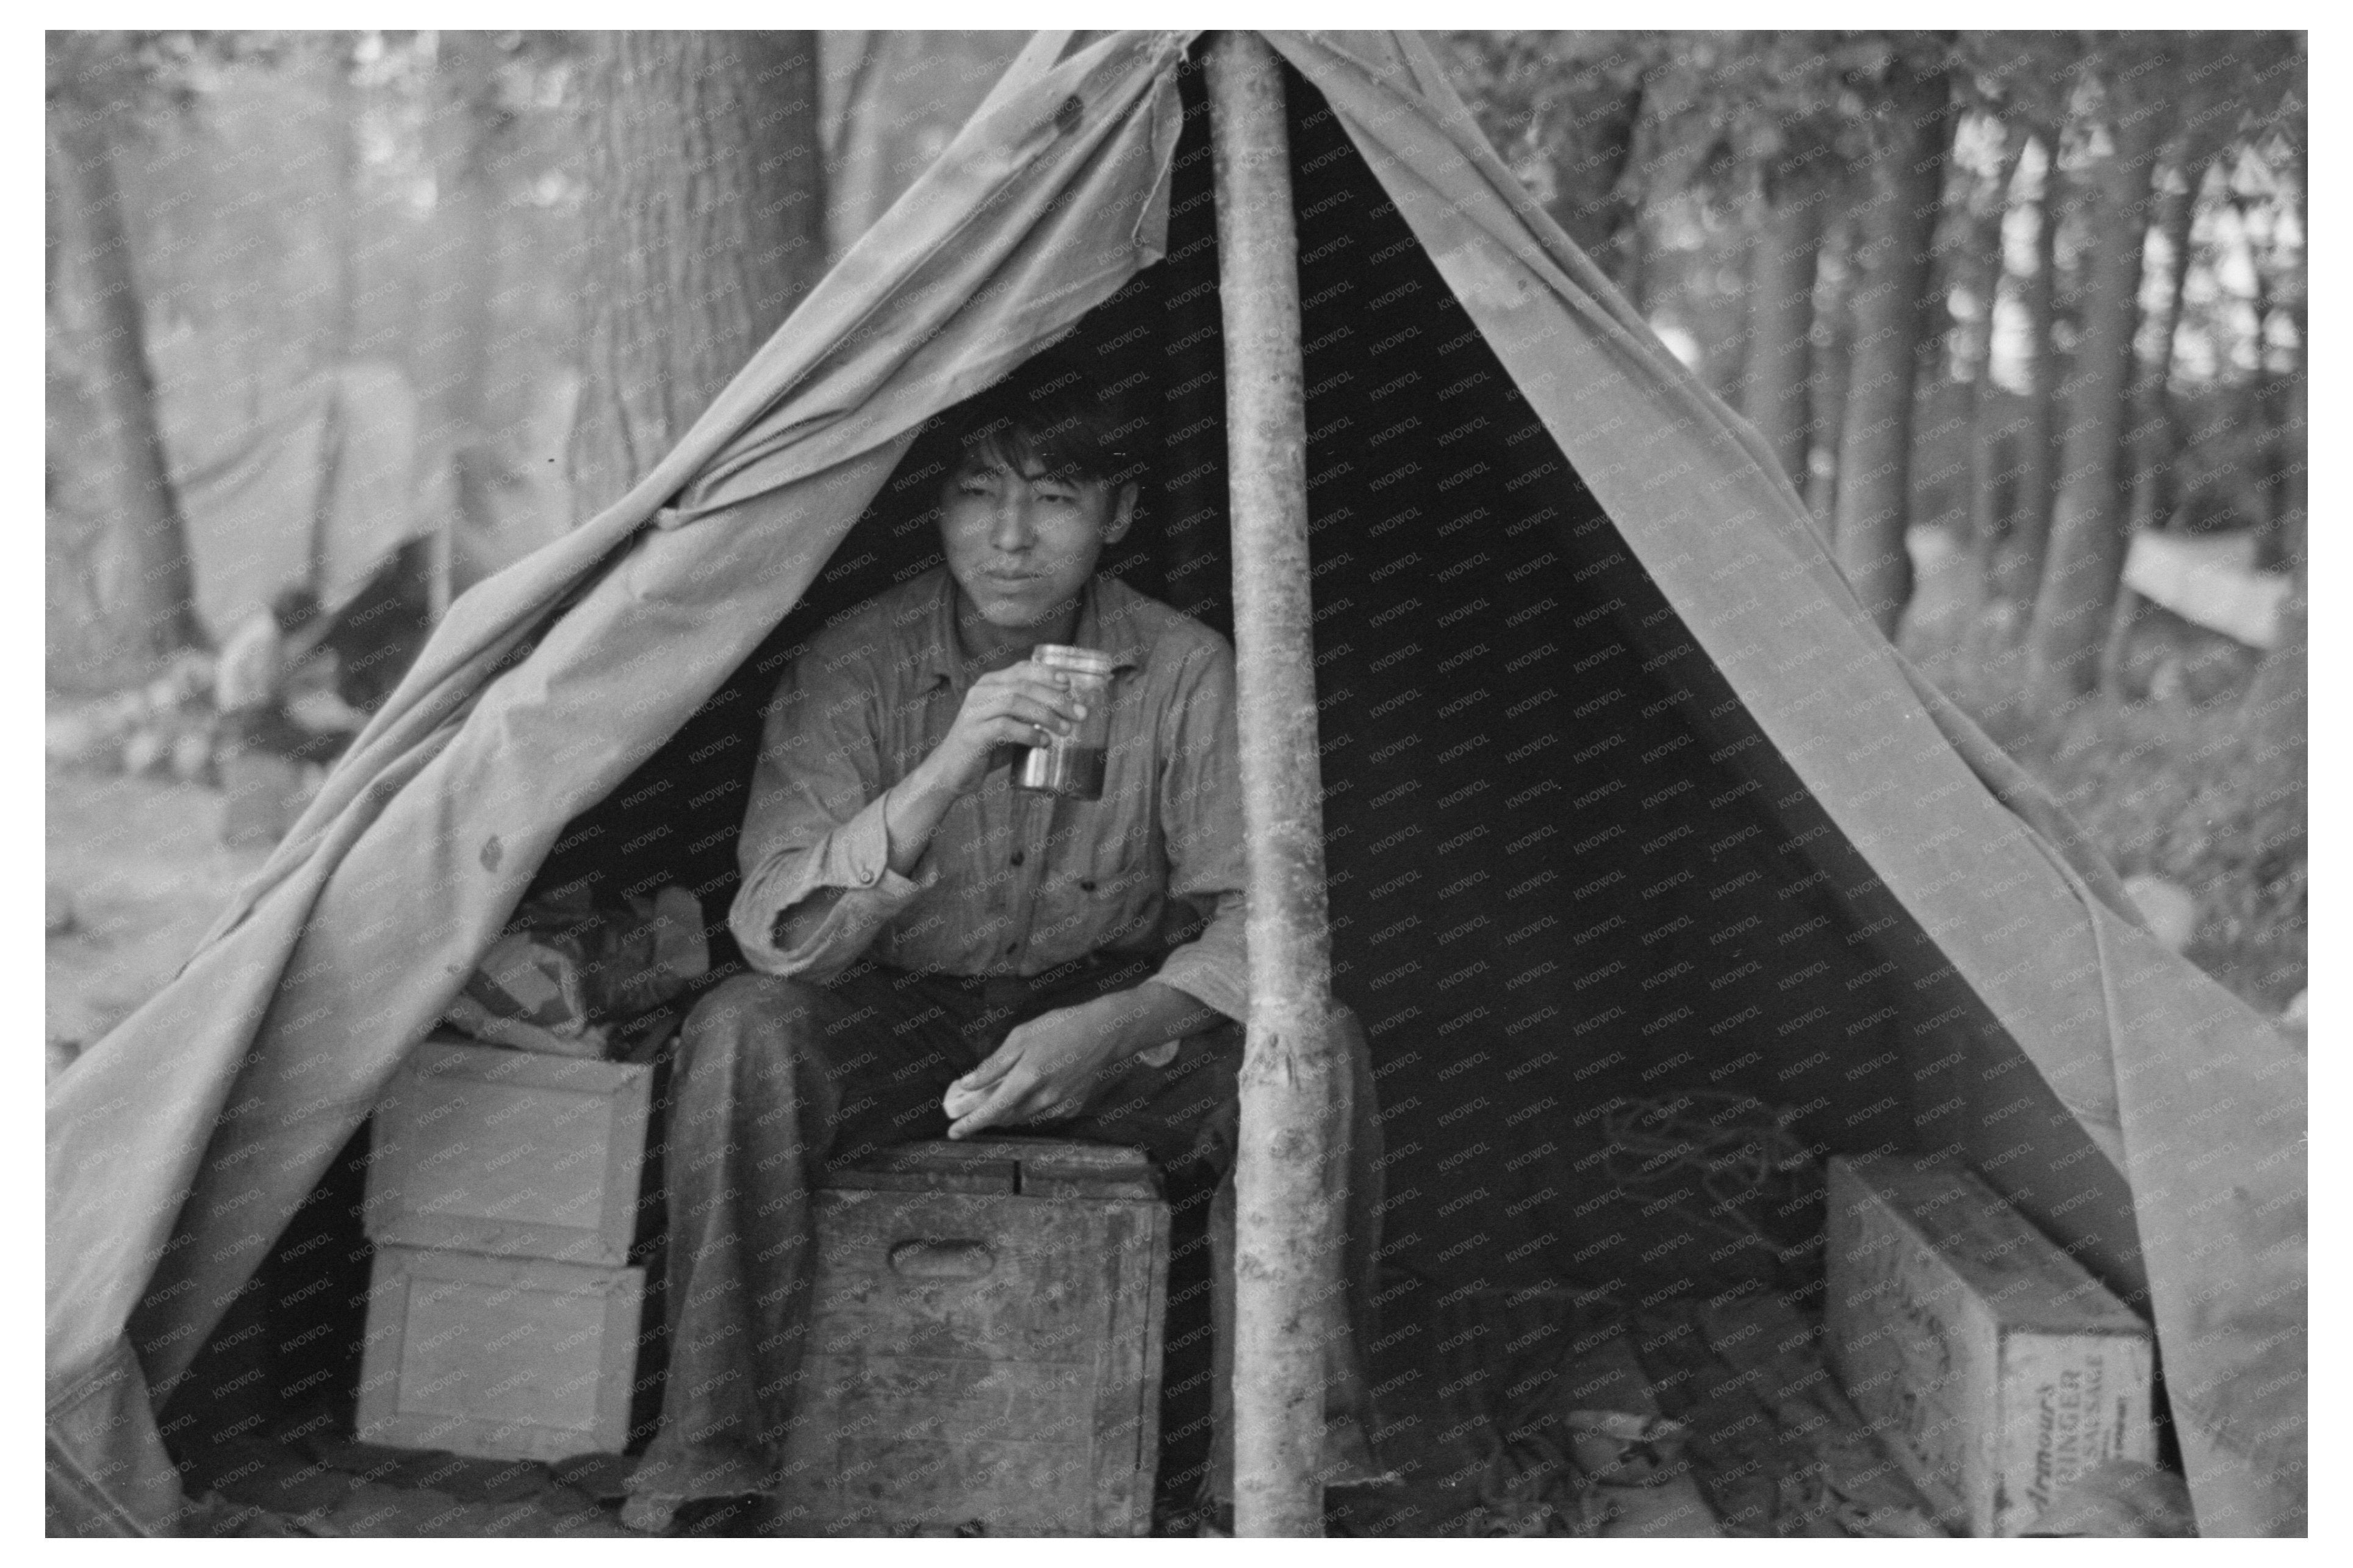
[{"x": 778, "y": 1082}]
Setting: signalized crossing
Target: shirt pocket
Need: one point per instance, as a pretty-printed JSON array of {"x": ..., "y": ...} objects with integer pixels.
[{"x": 1116, "y": 901}]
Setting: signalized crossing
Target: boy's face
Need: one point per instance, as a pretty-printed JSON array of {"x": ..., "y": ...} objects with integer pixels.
[{"x": 1022, "y": 545}]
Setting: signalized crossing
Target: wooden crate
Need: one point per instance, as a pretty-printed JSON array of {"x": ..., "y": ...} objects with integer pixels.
[
  {"x": 985, "y": 1345},
  {"x": 503, "y": 1357},
  {"x": 1992, "y": 1365},
  {"x": 481, "y": 1148}
]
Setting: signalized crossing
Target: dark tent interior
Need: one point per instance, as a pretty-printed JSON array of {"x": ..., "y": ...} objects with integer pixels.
[{"x": 1572, "y": 884}]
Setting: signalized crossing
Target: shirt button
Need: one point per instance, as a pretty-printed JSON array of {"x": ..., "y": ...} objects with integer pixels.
[
  {"x": 1012, "y": 946},
  {"x": 1017, "y": 857}
]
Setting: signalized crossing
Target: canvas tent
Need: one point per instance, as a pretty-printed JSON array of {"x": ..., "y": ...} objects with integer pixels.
[
  {"x": 1622, "y": 790},
  {"x": 317, "y": 489}
]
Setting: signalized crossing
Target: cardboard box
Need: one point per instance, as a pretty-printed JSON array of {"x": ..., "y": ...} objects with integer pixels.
[
  {"x": 501, "y": 1358},
  {"x": 985, "y": 1344},
  {"x": 481, "y": 1148},
  {"x": 1991, "y": 1365}
]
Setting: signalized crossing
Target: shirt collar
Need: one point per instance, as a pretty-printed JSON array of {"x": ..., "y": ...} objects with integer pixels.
[{"x": 1106, "y": 620}]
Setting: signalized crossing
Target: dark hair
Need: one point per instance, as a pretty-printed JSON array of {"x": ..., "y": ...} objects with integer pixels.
[
  {"x": 294, "y": 607},
  {"x": 1053, "y": 414}
]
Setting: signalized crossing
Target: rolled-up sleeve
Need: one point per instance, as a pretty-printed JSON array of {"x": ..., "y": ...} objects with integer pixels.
[
  {"x": 1201, "y": 823},
  {"x": 815, "y": 853}
]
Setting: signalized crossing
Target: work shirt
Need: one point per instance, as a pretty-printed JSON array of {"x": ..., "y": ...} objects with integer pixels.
[{"x": 1012, "y": 881}]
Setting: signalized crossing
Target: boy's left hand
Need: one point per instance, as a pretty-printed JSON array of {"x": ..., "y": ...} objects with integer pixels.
[{"x": 1045, "y": 1068}]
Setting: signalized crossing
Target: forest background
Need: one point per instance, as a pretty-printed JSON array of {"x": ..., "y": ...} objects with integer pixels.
[{"x": 2004, "y": 303}]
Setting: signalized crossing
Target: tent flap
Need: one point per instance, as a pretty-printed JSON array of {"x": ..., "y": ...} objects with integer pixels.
[{"x": 107, "y": 1472}]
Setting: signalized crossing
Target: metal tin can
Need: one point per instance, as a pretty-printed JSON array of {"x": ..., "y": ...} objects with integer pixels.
[{"x": 1072, "y": 766}]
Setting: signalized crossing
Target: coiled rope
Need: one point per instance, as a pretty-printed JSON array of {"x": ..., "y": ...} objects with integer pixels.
[{"x": 1715, "y": 1158}]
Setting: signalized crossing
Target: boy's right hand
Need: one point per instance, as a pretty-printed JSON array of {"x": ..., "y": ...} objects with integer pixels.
[{"x": 1012, "y": 706}]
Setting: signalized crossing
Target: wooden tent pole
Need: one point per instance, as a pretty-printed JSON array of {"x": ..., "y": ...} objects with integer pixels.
[{"x": 1287, "y": 1232}]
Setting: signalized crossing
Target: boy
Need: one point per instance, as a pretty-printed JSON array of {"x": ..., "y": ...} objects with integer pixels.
[{"x": 939, "y": 953}]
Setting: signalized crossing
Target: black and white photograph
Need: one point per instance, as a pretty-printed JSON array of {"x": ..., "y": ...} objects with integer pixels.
[{"x": 1417, "y": 785}]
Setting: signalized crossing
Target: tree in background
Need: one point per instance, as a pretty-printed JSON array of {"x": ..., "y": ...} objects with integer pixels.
[
  {"x": 2043, "y": 290},
  {"x": 1979, "y": 207},
  {"x": 1733, "y": 146},
  {"x": 1794, "y": 187},
  {"x": 2153, "y": 433},
  {"x": 2040, "y": 432},
  {"x": 298, "y": 202},
  {"x": 419, "y": 198},
  {"x": 2143, "y": 83},
  {"x": 1675, "y": 158},
  {"x": 2182, "y": 174},
  {"x": 2285, "y": 122},
  {"x": 1565, "y": 110},
  {"x": 98, "y": 83},
  {"x": 467, "y": 130},
  {"x": 1910, "y": 111},
  {"x": 704, "y": 225},
  {"x": 2267, "y": 196},
  {"x": 1758, "y": 127},
  {"x": 2085, "y": 555},
  {"x": 2025, "y": 84},
  {"x": 1830, "y": 344}
]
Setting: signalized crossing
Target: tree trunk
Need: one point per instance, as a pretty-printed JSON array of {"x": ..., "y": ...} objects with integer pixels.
[
  {"x": 2149, "y": 443},
  {"x": 1991, "y": 488},
  {"x": 1724, "y": 356},
  {"x": 2086, "y": 552},
  {"x": 857, "y": 157},
  {"x": 706, "y": 201},
  {"x": 2273, "y": 395},
  {"x": 460, "y": 426},
  {"x": 347, "y": 214},
  {"x": 2294, "y": 431},
  {"x": 2152, "y": 440},
  {"x": 462, "y": 139},
  {"x": 2263, "y": 400},
  {"x": 1630, "y": 253},
  {"x": 1831, "y": 344},
  {"x": 1942, "y": 386},
  {"x": 1592, "y": 202},
  {"x": 2296, "y": 446},
  {"x": 1773, "y": 389},
  {"x": 2038, "y": 442},
  {"x": 152, "y": 604},
  {"x": 858, "y": 83},
  {"x": 1891, "y": 311}
]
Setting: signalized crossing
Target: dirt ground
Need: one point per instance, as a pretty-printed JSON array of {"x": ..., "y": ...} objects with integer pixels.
[{"x": 141, "y": 872}]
